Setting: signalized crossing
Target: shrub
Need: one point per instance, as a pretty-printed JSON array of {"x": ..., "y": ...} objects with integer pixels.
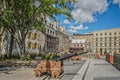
[
  {"x": 28, "y": 57},
  {"x": 49, "y": 56},
  {"x": 22, "y": 57}
]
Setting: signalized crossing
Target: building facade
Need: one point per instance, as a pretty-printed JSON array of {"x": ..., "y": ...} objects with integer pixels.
[
  {"x": 63, "y": 37},
  {"x": 35, "y": 42},
  {"x": 107, "y": 41},
  {"x": 78, "y": 45},
  {"x": 51, "y": 39},
  {"x": 54, "y": 39},
  {"x": 89, "y": 40}
]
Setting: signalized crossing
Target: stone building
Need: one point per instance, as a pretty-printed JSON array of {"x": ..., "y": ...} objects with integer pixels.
[
  {"x": 32, "y": 43},
  {"x": 51, "y": 39},
  {"x": 89, "y": 40},
  {"x": 63, "y": 37},
  {"x": 35, "y": 42},
  {"x": 78, "y": 45},
  {"x": 107, "y": 41}
]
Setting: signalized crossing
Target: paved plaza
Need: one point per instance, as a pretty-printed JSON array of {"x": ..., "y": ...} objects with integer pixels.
[
  {"x": 101, "y": 70},
  {"x": 70, "y": 70},
  {"x": 90, "y": 69},
  {"x": 97, "y": 69}
]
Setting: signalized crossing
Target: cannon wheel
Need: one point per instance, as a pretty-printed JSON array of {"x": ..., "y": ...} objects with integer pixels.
[
  {"x": 37, "y": 73},
  {"x": 55, "y": 74}
]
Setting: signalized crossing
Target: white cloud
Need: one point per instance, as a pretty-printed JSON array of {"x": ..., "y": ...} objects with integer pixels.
[
  {"x": 80, "y": 27},
  {"x": 72, "y": 31},
  {"x": 116, "y": 2},
  {"x": 75, "y": 29},
  {"x": 66, "y": 21},
  {"x": 85, "y": 9}
]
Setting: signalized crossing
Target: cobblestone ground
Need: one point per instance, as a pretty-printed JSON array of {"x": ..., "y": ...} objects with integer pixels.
[{"x": 70, "y": 69}]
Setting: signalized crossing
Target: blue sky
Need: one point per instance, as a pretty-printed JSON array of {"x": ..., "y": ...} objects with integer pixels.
[{"x": 97, "y": 15}]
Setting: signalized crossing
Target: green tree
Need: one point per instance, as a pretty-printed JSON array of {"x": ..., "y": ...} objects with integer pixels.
[{"x": 20, "y": 16}]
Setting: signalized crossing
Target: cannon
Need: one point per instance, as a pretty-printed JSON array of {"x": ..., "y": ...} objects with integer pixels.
[{"x": 55, "y": 66}]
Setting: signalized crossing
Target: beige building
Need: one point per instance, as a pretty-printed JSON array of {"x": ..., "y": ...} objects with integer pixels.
[
  {"x": 35, "y": 41},
  {"x": 63, "y": 37},
  {"x": 88, "y": 38},
  {"x": 51, "y": 39},
  {"x": 107, "y": 41},
  {"x": 78, "y": 45}
]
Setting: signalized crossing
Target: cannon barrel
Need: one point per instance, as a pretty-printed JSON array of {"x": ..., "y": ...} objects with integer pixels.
[{"x": 66, "y": 56}]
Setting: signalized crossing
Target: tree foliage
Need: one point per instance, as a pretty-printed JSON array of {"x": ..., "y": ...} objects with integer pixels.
[{"x": 20, "y": 16}]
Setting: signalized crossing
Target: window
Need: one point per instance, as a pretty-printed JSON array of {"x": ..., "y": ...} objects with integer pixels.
[
  {"x": 100, "y": 44},
  {"x": 96, "y": 34},
  {"x": 100, "y": 33},
  {"x": 96, "y": 50},
  {"x": 105, "y": 44},
  {"x": 96, "y": 39},
  {"x": 33, "y": 45},
  {"x": 100, "y": 39},
  {"x": 114, "y": 43},
  {"x": 36, "y": 45},
  {"x": 109, "y": 33},
  {"x": 48, "y": 31},
  {"x": 110, "y": 38},
  {"x": 96, "y": 44},
  {"x": 105, "y": 33},
  {"x": 110, "y": 44},
  {"x": 105, "y": 39},
  {"x": 53, "y": 32},
  {"x": 81, "y": 45},
  {"x": 29, "y": 44},
  {"x": 110, "y": 50},
  {"x": 114, "y": 38},
  {"x": 115, "y": 33}
]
